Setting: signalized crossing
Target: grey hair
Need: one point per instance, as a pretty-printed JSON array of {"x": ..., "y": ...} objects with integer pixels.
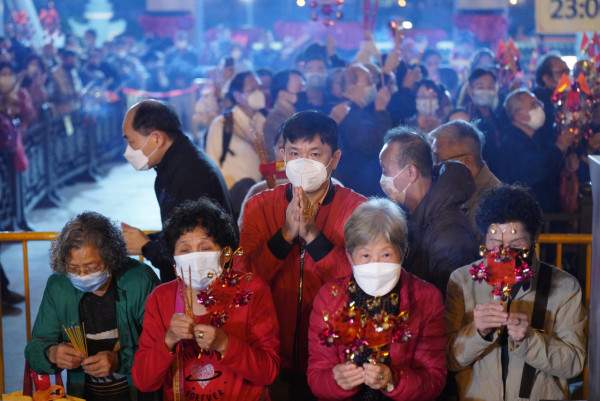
[
  {"x": 89, "y": 229},
  {"x": 373, "y": 220}
]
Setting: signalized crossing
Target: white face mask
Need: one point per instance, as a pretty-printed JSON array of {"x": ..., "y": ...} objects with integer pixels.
[
  {"x": 537, "y": 118},
  {"x": 389, "y": 188},
  {"x": 370, "y": 94},
  {"x": 205, "y": 267},
  {"x": 137, "y": 158},
  {"x": 377, "y": 279},
  {"x": 306, "y": 173},
  {"x": 427, "y": 107},
  {"x": 256, "y": 100},
  {"x": 315, "y": 81},
  {"x": 484, "y": 97}
]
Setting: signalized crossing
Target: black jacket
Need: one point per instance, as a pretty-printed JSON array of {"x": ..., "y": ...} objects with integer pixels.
[
  {"x": 534, "y": 161},
  {"x": 441, "y": 238},
  {"x": 361, "y": 140},
  {"x": 184, "y": 173}
]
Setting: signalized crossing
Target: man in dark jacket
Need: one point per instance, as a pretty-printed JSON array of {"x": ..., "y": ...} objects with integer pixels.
[
  {"x": 527, "y": 156},
  {"x": 154, "y": 139},
  {"x": 362, "y": 130},
  {"x": 441, "y": 238}
]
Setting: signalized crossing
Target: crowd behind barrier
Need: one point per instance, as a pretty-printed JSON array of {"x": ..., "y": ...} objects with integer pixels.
[{"x": 61, "y": 150}]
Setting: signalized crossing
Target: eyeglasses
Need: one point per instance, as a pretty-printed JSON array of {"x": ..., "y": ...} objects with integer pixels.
[
  {"x": 436, "y": 160},
  {"x": 88, "y": 270}
]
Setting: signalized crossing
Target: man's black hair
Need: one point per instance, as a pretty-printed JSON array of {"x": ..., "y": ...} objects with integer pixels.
[
  {"x": 545, "y": 68},
  {"x": 280, "y": 81},
  {"x": 205, "y": 213},
  {"x": 304, "y": 125},
  {"x": 480, "y": 72},
  {"x": 156, "y": 116},
  {"x": 509, "y": 203}
]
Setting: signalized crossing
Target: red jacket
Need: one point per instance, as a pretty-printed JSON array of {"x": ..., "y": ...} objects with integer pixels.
[
  {"x": 418, "y": 365},
  {"x": 250, "y": 364},
  {"x": 267, "y": 254}
]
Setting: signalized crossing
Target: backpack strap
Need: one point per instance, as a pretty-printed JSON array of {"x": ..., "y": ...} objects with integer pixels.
[
  {"x": 227, "y": 134},
  {"x": 542, "y": 292}
]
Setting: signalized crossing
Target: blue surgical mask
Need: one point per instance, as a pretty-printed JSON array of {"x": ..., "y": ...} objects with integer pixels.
[{"x": 90, "y": 282}]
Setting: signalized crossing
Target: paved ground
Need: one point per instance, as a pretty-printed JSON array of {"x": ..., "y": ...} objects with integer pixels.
[{"x": 123, "y": 194}]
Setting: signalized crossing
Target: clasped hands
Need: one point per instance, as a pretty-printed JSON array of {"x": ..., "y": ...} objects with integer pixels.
[
  {"x": 297, "y": 223},
  {"x": 65, "y": 356},
  {"x": 208, "y": 338},
  {"x": 491, "y": 316},
  {"x": 349, "y": 375}
]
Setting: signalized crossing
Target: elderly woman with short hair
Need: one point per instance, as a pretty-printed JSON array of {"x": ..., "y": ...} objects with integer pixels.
[
  {"x": 96, "y": 287},
  {"x": 212, "y": 333},
  {"x": 516, "y": 325},
  {"x": 379, "y": 332}
]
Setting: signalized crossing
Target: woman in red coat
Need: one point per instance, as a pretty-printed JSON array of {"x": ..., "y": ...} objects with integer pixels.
[
  {"x": 212, "y": 333},
  {"x": 379, "y": 333}
]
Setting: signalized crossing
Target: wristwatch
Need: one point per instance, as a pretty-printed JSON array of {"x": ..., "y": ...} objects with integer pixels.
[{"x": 390, "y": 386}]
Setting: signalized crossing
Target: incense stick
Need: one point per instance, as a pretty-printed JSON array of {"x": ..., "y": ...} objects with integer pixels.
[{"x": 78, "y": 341}]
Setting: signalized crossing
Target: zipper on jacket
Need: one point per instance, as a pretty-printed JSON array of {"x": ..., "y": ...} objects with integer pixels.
[{"x": 299, "y": 310}]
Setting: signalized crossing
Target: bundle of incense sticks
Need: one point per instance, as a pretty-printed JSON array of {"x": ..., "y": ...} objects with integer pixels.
[
  {"x": 77, "y": 337},
  {"x": 186, "y": 293}
]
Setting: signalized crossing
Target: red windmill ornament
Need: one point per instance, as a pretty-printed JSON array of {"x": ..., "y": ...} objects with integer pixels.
[
  {"x": 574, "y": 101},
  {"x": 327, "y": 10}
]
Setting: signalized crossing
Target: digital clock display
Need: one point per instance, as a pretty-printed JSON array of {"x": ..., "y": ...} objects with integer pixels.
[{"x": 566, "y": 16}]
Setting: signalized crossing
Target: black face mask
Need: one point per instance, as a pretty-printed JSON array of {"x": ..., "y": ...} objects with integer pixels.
[{"x": 301, "y": 103}]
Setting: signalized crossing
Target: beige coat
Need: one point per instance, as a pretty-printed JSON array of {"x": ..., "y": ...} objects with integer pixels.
[{"x": 557, "y": 354}]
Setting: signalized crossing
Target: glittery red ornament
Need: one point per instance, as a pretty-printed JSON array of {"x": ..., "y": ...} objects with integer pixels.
[
  {"x": 313, "y": 4},
  {"x": 339, "y": 3},
  {"x": 339, "y": 15},
  {"x": 314, "y": 17},
  {"x": 327, "y": 22},
  {"x": 326, "y": 9}
]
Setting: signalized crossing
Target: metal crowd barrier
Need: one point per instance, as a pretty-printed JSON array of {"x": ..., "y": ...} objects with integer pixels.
[
  {"x": 24, "y": 237},
  {"x": 60, "y": 150}
]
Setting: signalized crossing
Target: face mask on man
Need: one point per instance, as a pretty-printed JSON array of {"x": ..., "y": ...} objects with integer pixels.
[
  {"x": 256, "y": 100},
  {"x": 315, "y": 81},
  {"x": 137, "y": 158},
  {"x": 389, "y": 188},
  {"x": 89, "y": 282},
  {"x": 370, "y": 94},
  {"x": 537, "y": 118},
  {"x": 427, "y": 107},
  {"x": 306, "y": 173},
  {"x": 204, "y": 267},
  {"x": 377, "y": 279},
  {"x": 484, "y": 97}
]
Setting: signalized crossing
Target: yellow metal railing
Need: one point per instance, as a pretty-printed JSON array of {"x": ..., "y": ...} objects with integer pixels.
[{"x": 25, "y": 237}]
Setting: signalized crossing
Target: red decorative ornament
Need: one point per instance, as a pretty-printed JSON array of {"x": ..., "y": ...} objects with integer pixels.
[
  {"x": 326, "y": 9},
  {"x": 502, "y": 268},
  {"x": 353, "y": 328}
]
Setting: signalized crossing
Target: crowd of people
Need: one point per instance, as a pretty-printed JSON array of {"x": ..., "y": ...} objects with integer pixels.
[{"x": 357, "y": 275}]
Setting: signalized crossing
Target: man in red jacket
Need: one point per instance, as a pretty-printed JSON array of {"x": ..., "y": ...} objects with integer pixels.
[{"x": 293, "y": 236}]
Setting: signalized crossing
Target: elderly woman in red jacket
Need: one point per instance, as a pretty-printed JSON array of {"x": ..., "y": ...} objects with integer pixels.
[
  {"x": 378, "y": 333},
  {"x": 212, "y": 333}
]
